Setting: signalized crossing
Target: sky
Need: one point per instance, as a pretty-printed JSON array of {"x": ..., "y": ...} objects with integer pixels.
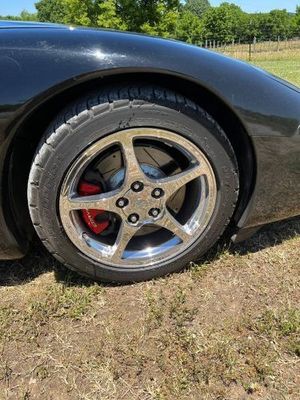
[
  {"x": 261, "y": 5},
  {"x": 14, "y": 7}
]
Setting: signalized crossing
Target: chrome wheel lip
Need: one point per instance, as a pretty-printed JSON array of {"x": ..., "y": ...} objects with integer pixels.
[{"x": 196, "y": 225}]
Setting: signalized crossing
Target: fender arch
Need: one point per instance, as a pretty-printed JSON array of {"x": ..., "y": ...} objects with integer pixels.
[{"x": 37, "y": 114}]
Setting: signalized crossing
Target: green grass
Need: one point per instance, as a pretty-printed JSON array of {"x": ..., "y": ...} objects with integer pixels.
[
  {"x": 284, "y": 63},
  {"x": 285, "y": 69}
]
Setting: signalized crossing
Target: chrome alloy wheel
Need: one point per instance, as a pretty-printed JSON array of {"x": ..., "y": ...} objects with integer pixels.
[{"x": 147, "y": 228}]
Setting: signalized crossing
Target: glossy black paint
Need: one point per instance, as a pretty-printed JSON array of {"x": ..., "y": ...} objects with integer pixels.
[{"x": 40, "y": 62}]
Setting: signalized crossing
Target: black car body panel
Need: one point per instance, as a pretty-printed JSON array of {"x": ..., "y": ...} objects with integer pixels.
[
  {"x": 7, "y": 24},
  {"x": 39, "y": 62}
]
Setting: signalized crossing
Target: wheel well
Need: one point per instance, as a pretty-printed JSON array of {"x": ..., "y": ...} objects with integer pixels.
[{"x": 26, "y": 139}]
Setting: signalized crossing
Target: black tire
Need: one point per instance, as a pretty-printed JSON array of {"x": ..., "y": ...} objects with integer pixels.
[{"x": 99, "y": 114}]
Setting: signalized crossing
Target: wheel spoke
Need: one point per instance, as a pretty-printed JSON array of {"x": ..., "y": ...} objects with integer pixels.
[
  {"x": 125, "y": 234},
  {"x": 133, "y": 169},
  {"x": 171, "y": 184},
  {"x": 172, "y": 225},
  {"x": 105, "y": 201}
]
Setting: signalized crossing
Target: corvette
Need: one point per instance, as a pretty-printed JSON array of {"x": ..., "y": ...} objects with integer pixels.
[{"x": 131, "y": 156}]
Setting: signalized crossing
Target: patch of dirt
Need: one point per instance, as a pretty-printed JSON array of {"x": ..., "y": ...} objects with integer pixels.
[{"x": 226, "y": 329}]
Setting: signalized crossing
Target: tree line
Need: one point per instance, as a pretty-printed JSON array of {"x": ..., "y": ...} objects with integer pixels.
[{"x": 194, "y": 21}]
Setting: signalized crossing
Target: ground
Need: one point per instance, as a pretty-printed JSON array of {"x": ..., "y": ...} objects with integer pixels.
[
  {"x": 226, "y": 329},
  {"x": 284, "y": 63},
  {"x": 286, "y": 69}
]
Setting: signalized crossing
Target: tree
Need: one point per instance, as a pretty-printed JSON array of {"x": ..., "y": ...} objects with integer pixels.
[
  {"x": 296, "y": 22},
  {"x": 149, "y": 16},
  {"x": 27, "y": 16},
  {"x": 155, "y": 16},
  {"x": 277, "y": 24},
  {"x": 108, "y": 17},
  {"x": 79, "y": 12},
  {"x": 51, "y": 10},
  {"x": 253, "y": 28},
  {"x": 24, "y": 16},
  {"x": 169, "y": 18},
  {"x": 163, "y": 22},
  {"x": 197, "y": 7},
  {"x": 189, "y": 28},
  {"x": 223, "y": 23}
]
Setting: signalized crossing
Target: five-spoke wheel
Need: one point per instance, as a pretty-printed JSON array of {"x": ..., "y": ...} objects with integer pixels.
[{"x": 142, "y": 198}]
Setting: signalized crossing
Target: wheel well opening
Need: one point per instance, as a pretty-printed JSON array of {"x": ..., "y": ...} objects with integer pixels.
[{"x": 26, "y": 140}]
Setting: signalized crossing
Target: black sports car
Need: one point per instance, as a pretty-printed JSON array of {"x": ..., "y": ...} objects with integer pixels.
[{"x": 131, "y": 156}]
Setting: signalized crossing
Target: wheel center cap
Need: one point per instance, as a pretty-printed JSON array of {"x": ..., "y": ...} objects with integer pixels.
[
  {"x": 143, "y": 205},
  {"x": 140, "y": 199}
]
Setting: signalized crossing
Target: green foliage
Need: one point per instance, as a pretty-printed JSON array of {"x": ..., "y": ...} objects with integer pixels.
[
  {"x": 108, "y": 16},
  {"x": 197, "y": 7},
  {"x": 228, "y": 22},
  {"x": 296, "y": 22},
  {"x": 189, "y": 28},
  {"x": 155, "y": 17},
  {"x": 254, "y": 25},
  {"x": 164, "y": 23},
  {"x": 24, "y": 16},
  {"x": 277, "y": 24},
  {"x": 79, "y": 12},
  {"x": 223, "y": 23},
  {"x": 27, "y": 16},
  {"x": 51, "y": 11}
]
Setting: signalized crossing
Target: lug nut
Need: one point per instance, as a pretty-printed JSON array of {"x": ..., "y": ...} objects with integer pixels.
[
  {"x": 137, "y": 186},
  {"x": 133, "y": 218},
  {"x": 122, "y": 202},
  {"x": 154, "y": 212},
  {"x": 157, "y": 193}
]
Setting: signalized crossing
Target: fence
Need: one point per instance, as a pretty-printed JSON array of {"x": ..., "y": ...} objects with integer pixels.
[{"x": 255, "y": 49}]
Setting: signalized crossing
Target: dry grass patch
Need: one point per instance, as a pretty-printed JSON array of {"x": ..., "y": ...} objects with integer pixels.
[
  {"x": 227, "y": 329},
  {"x": 284, "y": 63}
]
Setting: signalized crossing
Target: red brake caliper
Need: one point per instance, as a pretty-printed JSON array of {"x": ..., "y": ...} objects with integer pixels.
[{"x": 92, "y": 217}]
